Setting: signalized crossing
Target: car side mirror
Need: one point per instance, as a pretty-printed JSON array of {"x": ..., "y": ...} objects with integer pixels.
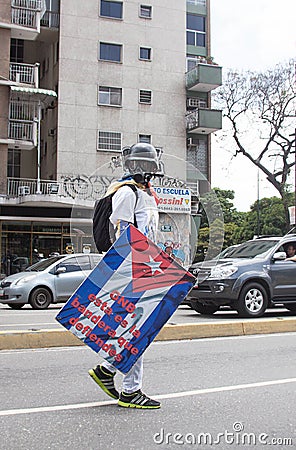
[
  {"x": 60, "y": 270},
  {"x": 279, "y": 256}
]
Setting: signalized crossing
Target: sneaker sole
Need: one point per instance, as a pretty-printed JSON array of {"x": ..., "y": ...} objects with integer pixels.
[
  {"x": 133, "y": 405},
  {"x": 102, "y": 386}
]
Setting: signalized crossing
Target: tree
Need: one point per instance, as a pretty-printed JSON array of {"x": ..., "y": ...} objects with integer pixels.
[
  {"x": 220, "y": 223},
  {"x": 266, "y": 217},
  {"x": 219, "y": 201},
  {"x": 260, "y": 109}
]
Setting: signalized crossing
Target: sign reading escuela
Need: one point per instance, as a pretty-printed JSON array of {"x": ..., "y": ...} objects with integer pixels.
[{"x": 173, "y": 200}]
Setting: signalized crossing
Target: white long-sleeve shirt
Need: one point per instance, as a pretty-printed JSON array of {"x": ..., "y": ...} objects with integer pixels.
[{"x": 126, "y": 206}]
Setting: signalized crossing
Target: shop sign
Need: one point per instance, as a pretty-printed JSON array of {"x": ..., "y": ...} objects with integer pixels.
[{"x": 173, "y": 200}]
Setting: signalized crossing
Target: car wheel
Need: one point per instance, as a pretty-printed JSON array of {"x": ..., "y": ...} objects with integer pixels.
[
  {"x": 252, "y": 300},
  {"x": 16, "y": 305},
  {"x": 291, "y": 307},
  {"x": 203, "y": 308},
  {"x": 40, "y": 298}
]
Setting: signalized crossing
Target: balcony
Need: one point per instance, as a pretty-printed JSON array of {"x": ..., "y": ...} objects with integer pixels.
[
  {"x": 68, "y": 191},
  {"x": 204, "y": 121},
  {"x": 204, "y": 78},
  {"x": 25, "y": 19},
  {"x": 51, "y": 19},
  {"x": 22, "y": 124},
  {"x": 27, "y": 74}
]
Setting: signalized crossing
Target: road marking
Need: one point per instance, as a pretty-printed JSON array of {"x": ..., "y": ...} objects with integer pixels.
[
  {"x": 27, "y": 325},
  {"x": 173, "y": 342},
  {"x": 13, "y": 412}
]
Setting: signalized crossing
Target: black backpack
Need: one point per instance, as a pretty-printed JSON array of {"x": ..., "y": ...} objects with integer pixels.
[{"x": 103, "y": 231}]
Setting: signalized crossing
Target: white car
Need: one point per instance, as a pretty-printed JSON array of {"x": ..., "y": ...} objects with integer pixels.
[{"x": 51, "y": 280}]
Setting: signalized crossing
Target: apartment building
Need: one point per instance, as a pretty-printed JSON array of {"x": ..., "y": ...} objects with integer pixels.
[{"x": 78, "y": 82}]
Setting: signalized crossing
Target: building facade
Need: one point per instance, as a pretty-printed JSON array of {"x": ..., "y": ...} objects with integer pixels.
[{"x": 78, "y": 82}]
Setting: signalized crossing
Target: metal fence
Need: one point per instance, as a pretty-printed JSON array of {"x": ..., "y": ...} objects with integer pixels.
[
  {"x": 23, "y": 73},
  {"x": 29, "y": 4},
  {"x": 197, "y": 2},
  {"x": 192, "y": 120},
  {"x": 23, "y": 110},
  {"x": 24, "y": 17},
  {"x": 21, "y": 130},
  {"x": 50, "y": 19}
]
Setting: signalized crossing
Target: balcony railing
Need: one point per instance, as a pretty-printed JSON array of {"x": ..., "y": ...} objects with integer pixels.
[
  {"x": 75, "y": 188},
  {"x": 21, "y": 130},
  {"x": 204, "y": 121},
  {"x": 50, "y": 19},
  {"x": 204, "y": 77},
  {"x": 24, "y": 73},
  {"x": 197, "y": 2},
  {"x": 26, "y": 186},
  {"x": 24, "y": 17},
  {"x": 28, "y": 4},
  {"x": 23, "y": 110}
]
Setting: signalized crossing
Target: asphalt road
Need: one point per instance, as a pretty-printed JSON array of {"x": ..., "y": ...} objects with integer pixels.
[
  {"x": 224, "y": 393},
  {"x": 29, "y": 319}
]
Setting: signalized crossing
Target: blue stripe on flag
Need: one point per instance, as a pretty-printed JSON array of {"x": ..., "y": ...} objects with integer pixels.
[{"x": 153, "y": 324}]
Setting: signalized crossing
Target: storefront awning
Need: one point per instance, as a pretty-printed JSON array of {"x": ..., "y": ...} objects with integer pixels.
[{"x": 39, "y": 94}]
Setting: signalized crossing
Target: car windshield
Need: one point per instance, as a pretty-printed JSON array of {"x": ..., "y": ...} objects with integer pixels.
[
  {"x": 251, "y": 249},
  {"x": 43, "y": 264}
]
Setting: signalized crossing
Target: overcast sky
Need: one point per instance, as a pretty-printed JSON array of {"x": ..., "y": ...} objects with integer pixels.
[{"x": 248, "y": 35}]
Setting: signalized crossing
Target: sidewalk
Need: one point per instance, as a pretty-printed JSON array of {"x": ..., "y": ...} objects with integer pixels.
[{"x": 58, "y": 337}]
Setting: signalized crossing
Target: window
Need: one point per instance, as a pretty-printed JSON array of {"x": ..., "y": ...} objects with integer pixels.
[
  {"x": 109, "y": 140},
  {"x": 196, "y": 30},
  {"x": 145, "y": 97},
  {"x": 146, "y": 138},
  {"x": 145, "y": 11},
  {"x": 17, "y": 50},
  {"x": 145, "y": 53},
  {"x": 76, "y": 264},
  {"x": 110, "y": 96},
  {"x": 14, "y": 163},
  {"x": 197, "y": 155},
  {"x": 111, "y": 9},
  {"x": 110, "y": 52}
]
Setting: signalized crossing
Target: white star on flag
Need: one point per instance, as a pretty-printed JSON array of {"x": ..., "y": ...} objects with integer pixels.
[{"x": 154, "y": 265}]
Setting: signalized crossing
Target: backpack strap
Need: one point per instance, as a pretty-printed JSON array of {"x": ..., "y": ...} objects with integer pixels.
[{"x": 135, "y": 189}]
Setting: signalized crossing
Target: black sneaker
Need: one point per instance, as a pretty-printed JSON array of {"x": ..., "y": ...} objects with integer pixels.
[
  {"x": 137, "y": 400},
  {"x": 105, "y": 379}
]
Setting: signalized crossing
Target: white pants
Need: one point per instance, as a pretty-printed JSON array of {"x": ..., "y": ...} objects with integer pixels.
[{"x": 132, "y": 381}]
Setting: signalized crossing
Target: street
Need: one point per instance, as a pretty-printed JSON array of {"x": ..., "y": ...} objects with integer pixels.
[
  {"x": 223, "y": 393},
  {"x": 27, "y": 318}
]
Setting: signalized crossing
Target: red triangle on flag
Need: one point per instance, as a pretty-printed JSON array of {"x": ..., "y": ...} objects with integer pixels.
[{"x": 152, "y": 268}]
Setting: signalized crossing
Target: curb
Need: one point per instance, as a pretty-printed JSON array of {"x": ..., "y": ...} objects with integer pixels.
[{"x": 12, "y": 340}]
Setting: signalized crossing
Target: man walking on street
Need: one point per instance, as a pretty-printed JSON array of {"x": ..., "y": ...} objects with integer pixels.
[{"x": 138, "y": 207}]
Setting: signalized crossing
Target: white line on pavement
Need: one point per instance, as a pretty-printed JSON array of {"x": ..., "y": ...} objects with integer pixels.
[
  {"x": 173, "y": 342},
  {"x": 13, "y": 412},
  {"x": 34, "y": 325}
]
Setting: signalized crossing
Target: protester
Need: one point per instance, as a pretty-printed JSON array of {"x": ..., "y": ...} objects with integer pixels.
[{"x": 140, "y": 162}]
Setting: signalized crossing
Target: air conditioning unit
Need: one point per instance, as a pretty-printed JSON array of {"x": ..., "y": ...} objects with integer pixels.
[
  {"x": 23, "y": 190},
  {"x": 193, "y": 102},
  {"x": 196, "y": 103}
]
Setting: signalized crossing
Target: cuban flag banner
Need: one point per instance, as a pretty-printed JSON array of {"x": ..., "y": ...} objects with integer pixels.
[{"x": 123, "y": 304}]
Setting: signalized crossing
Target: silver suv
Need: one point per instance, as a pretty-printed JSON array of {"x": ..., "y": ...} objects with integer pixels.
[
  {"x": 251, "y": 277},
  {"x": 51, "y": 280}
]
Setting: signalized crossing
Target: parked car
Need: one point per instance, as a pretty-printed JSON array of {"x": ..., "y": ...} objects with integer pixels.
[
  {"x": 249, "y": 278},
  {"x": 51, "y": 280}
]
